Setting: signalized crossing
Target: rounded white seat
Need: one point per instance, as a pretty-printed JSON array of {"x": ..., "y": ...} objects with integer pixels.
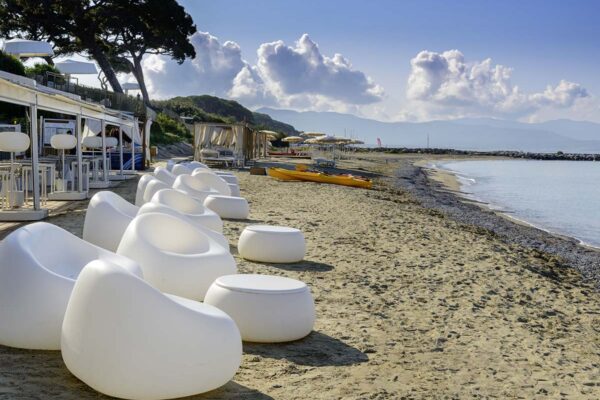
[
  {"x": 265, "y": 308},
  {"x": 152, "y": 207},
  {"x": 227, "y": 177},
  {"x": 39, "y": 264},
  {"x": 176, "y": 256},
  {"x": 124, "y": 338},
  {"x": 141, "y": 188},
  {"x": 272, "y": 244},
  {"x": 234, "y": 189},
  {"x": 211, "y": 181},
  {"x": 152, "y": 187},
  {"x": 230, "y": 207},
  {"x": 164, "y": 175},
  {"x": 106, "y": 219},
  {"x": 193, "y": 187},
  {"x": 181, "y": 169},
  {"x": 190, "y": 207},
  {"x": 197, "y": 164}
]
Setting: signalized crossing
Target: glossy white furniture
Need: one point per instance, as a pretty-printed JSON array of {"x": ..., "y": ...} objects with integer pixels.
[
  {"x": 211, "y": 181},
  {"x": 176, "y": 256},
  {"x": 164, "y": 175},
  {"x": 39, "y": 264},
  {"x": 152, "y": 187},
  {"x": 265, "y": 308},
  {"x": 228, "y": 207},
  {"x": 190, "y": 207},
  {"x": 141, "y": 188},
  {"x": 272, "y": 244},
  {"x": 193, "y": 187},
  {"x": 234, "y": 189},
  {"x": 181, "y": 169},
  {"x": 124, "y": 338},
  {"x": 106, "y": 219}
]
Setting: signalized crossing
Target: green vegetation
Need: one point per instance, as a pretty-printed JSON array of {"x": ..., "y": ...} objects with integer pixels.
[
  {"x": 11, "y": 64},
  {"x": 40, "y": 69},
  {"x": 166, "y": 130}
]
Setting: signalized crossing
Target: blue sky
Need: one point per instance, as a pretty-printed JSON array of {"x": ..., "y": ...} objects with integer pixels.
[{"x": 538, "y": 42}]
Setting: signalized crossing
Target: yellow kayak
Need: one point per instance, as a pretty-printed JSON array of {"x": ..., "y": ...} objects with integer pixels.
[{"x": 345, "y": 180}]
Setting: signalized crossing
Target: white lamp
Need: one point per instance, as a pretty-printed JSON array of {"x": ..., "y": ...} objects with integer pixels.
[
  {"x": 62, "y": 142},
  {"x": 13, "y": 142}
]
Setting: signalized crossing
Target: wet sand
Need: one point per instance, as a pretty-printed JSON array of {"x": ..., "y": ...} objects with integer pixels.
[{"x": 411, "y": 303}]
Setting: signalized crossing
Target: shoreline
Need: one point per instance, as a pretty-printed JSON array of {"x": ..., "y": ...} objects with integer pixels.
[{"x": 441, "y": 191}]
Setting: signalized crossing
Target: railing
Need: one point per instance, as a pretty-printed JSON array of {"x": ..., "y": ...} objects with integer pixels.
[{"x": 117, "y": 101}]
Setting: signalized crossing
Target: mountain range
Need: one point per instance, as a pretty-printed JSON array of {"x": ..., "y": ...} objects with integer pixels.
[{"x": 483, "y": 134}]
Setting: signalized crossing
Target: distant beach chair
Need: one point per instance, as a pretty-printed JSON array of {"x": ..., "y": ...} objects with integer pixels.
[
  {"x": 190, "y": 207},
  {"x": 164, "y": 175},
  {"x": 124, "y": 338},
  {"x": 322, "y": 162},
  {"x": 212, "y": 181},
  {"x": 141, "y": 188},
  {"x": 193, "y": 187}
]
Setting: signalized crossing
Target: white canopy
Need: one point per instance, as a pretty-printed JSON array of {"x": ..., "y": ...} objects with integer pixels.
[
  {"x": 27, "y": 48},
  {"x": 76, "y": 67}
]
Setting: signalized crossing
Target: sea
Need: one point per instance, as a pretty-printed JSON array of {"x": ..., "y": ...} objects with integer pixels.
[{"x": 561, "y": 197}]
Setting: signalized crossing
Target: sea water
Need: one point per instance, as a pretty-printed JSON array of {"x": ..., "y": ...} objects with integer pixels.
[{"x": 561, "y": 197}]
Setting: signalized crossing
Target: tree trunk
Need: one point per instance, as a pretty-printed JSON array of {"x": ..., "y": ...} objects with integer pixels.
[
  {"x": 139, "y": 76},
  {"x": 108, "y": 70}
]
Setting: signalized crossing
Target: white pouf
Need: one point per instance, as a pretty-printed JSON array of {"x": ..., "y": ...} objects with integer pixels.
[
  {"x": 124, "y": 338},
  {"x": 272, "y": 244},
  {"x": 265, "y": 308},
  {"x": 230, "y": 207}
]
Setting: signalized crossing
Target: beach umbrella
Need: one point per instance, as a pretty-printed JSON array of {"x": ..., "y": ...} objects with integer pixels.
[
  {"x": 356, "y": 141},
  {"x": 327, "y": 140},
  {"x": 313, "y": 134},
  {"x": 311, "y": 141},
  {"x": 27, "y": 48},
  {"x": 74, "y": 67},
  {"x": 293, "y": 139},
  {"x": 271, "y": 135}
]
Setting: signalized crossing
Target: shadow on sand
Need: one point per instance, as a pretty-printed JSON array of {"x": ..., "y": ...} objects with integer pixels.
[{"x": 317, "y": 350}]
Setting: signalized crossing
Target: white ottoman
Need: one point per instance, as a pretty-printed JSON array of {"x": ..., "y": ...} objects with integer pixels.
[
  {"x": 265, "y": 308},
  {"x": 272, "y": 244},
  {"x": 230, "y": 207}
]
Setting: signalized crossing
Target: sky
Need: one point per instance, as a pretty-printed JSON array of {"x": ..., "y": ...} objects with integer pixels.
[{"x": 410, "y": 60}]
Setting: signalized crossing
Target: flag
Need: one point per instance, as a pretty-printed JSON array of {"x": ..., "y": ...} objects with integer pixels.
[{"x": 378, "y": 142}]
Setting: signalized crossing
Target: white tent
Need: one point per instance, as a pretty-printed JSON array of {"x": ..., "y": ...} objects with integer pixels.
[
  {"x": 74, "y": 67},
  {"x": 27, "y": 48}
]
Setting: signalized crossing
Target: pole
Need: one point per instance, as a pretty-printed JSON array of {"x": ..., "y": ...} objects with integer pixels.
[
  {"x": 121, "y": 150},
  {"x": 104, "y": 166},
  {"x": 79, "y": 134},
  {"x": 34, "y": 156}
]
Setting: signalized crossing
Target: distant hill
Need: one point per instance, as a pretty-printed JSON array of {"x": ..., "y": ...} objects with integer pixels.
[
  {"x": 214, "y": 109},
  {"x": 464, "y": 134}
]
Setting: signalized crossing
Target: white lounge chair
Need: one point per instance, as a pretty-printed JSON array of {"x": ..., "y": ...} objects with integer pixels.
[
  {"x": 190, "y": 207},
  {"x": 175, "y": 255},
  {"x": 164, "y": 175},
  {"x": 181, "y": 169},
  {"x": 211, "y": 181},
  {"x": 141, "y": 188},
  {"x": 39, "y": 264},
  {"x": 125, "y": 339},
  {"x": 152, "y": 187},
  {"x": 106, "y": 219},
  {"x": 228, "y": 207},
  {"x": 152, "y": 207},
  {"x": 193, "y": 187}
]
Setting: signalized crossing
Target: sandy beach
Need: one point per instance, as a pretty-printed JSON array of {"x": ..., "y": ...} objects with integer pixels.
[{"x": 412, "y": 302}]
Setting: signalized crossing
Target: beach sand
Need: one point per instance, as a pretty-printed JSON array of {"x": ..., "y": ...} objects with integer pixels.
[{"x": 410, "y": 304}]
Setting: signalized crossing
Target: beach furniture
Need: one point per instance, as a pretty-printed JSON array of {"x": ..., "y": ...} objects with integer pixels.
[
  {"x": 234, "y": 189},
  {"x": 175, "y": 255},
  {"x": 124, "y": 338},
  {"x": 182, "y": 169},
  {"x": 197, "y": 164},
  {"x": 228, "y": 207},
  {"x": 62, "y": 142},
  {"x": 212, "y": 181},
  {"x": 190, "y": 207},
  {"x": 266, "y": 308},
  {"x": 13, "y": 142},
  {"x": 193, "y": 187},
  {"x": 272, "y": 244},
  {"x": 152, "y": 207},
  {"x": 170, "y": 165},
  {"x": 229, "y": 178},
  {"x": 151, "y": 188},
  {"x": 39, "y": 264},
  {"x": 164, "y": 175},
  {"x": 106, "y": 219},
  {"x": 141, "y": 187}
]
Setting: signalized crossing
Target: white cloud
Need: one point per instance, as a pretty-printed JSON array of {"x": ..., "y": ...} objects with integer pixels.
[
  {"x": 298, "y": 77},
  {"x": 445, "y": 85}
]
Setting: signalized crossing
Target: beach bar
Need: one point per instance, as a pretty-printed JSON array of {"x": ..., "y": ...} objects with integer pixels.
[{"x": 20, "y": 91}]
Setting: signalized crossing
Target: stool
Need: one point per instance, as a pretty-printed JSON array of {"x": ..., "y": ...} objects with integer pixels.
[
  {"x": 230, "y": 207},
  {"x": 272, "y": 244}
]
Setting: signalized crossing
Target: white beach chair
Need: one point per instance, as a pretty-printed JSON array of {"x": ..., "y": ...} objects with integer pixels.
[
  {"x": 152, "y": 187},
  {"x": 212, "y": 181},
  {"x": 39, "y": 264},
  {"x": 190, "y": 207},
  {"x": 141, "y": 188},
  {"x": 175, "y": 255},
  {"x": 124, "y": 338},
  {"x": 164, "y": 175},
  {"x": 193, "y": 187}
]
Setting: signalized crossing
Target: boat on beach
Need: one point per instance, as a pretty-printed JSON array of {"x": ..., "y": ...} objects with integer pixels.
[{"x": 319, "y": 177}]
